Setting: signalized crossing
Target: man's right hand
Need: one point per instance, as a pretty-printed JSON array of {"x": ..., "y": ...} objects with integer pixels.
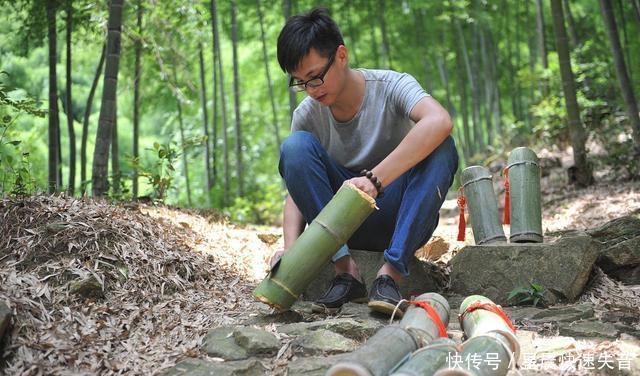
[{"x": 277, "y": 255}]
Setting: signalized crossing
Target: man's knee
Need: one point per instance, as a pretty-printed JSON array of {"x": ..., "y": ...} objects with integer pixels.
[
  {"x": 298, "y": 143},
  {"x": 297, "y": 149}
]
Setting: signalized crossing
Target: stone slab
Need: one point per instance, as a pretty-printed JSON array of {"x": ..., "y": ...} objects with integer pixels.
[
  {"x": 562, "y": 268},
  {"x": 424, "y": 276}
]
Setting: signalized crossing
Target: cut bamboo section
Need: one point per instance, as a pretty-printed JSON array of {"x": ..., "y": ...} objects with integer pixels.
[
  {"x": 304, "y": 260},
  {"x": 524, "y": 191},
  {"x": 483, "y": 206},
  {"x": 429, "y": 359},
  {"x": 391, "y": 344},
  {"x": 491, "y": 343}
]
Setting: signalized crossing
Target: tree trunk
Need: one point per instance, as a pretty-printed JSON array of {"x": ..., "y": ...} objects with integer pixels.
[
  {"x": 72, "y": 134},
  {"x": 214, "y": 100},
  {"x": 571, "y": 25},
  {"x": 265, "y": 56},
  {"x": 464, "y": 107},
  {"x": 386, "y": 46},
  {"x": 205, "y": 121},
  {"x": 100, "y": 182},
  {"x": 423, "y": 43},
  {"x": 223, "y": 102},
  {"x": 85, "y": 123},
  {"x": 352, "y": 33},
  {"x": 54, "y": 121},
  {"x": 621, "y": 70},
  {"x": 185, "y": 164},
  {"x": 136, "y": 99},
  {"x": 636, "y": 13},
  {"x": 487, "y": 84},
  {"x": 293, "y": 100},
  {"x": 236, "y": 100},
  {"x": 477, "y": 135},
  {"x": 577, "y": 131},
  {"x": 542, "y": 48},
  {"x": 374, "y": 41},
  {"x": 115, "y": 156},
  {"x": 626, "y": 49}
]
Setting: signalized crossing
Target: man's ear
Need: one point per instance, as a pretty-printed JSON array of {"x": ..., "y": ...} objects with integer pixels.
[{"x": 342, "y": 55}]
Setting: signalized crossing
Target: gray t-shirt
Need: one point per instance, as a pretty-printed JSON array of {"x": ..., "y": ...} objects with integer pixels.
[{"x": 377, "y": 128}]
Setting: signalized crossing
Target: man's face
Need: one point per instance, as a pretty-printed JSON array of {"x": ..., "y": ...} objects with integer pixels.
[{"x": 311, "y": 68}]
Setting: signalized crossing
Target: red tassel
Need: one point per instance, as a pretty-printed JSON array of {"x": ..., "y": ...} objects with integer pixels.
[
  {"x": 506, "y": 215},
  {"x": 462, "y": 224}
]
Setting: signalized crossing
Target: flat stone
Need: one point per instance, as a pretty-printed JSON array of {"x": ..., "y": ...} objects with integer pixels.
[
  {"x": 424, "y": 276},
  {"x": 285, "y": 317},
  {"x": 256, "y": 341},
  {"x": 312, "y": 366},
  {"x": 220, "y": 343},
  {"x": 5, "y": 323},
  {"x": 518, "y": 314},
  {"x": 620, "y": 239},
  {"x": 87, "y": 288},
  {"x": 201, "y": 367},
  {"x": 589, "y": 328},
  {"x": 562, "y": 268},
  {"x": 564, "y": 314},
  {"x": 348, "y": 327},
  {"x": 323, "y": 341}
]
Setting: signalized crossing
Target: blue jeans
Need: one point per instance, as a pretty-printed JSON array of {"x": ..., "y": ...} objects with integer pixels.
[{"x": 409, "y": 208}]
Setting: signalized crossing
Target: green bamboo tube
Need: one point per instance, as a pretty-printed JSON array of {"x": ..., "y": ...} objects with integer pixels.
[
  {"x": 491, "y": 342},
  {"x": 483, "y": 206},
  {"x": 427, "y": 360},
  {"x": 524, "y": 191},
  {"x": 306, "y": 257},
  {"x": 391, "y": 344}
]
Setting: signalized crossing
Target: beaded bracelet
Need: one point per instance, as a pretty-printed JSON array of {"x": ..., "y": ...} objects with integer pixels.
[{"x": 376, "y": 183}]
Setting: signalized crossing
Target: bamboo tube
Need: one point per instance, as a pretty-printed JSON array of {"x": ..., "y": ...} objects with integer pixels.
[
  {"x": 427, "y": 360},
  {"x": 297, "y": 268},
  {"x": 524, "y": 191},
  {"x": 492, "y": 345},
  {"x": 393, "y": 343},
  {"x": 483, "y": 206}
]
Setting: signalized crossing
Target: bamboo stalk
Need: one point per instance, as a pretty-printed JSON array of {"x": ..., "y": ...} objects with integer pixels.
[
  {"x": 524, "y": 190},
  {"x": 427, "y": 360},
  {"x": 492, "y": 345},
  {"x": 300, "y": 265},
  {"x": 483, "y": 206},
  {"x": 391, "y": 344}
]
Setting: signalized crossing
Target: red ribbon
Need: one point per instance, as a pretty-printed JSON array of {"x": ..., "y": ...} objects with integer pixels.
[{"x": 433, "y": 314}]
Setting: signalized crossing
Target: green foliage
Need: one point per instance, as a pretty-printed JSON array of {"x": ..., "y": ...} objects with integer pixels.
[
  {"x": 533, "y": 295},
  {"x": 160, "y": 173},
  {"x": 15, "y": 170},
  {"x": 261, "y": 204}
]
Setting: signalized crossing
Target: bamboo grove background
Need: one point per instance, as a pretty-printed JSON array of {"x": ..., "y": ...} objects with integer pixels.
[{"x": 184, "y": 102}]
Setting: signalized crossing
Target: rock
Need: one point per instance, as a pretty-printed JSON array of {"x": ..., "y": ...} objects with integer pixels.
[
  {"x": 562, "y": 268},
  {"x": 87, "y": 288},
  {"x": 347, "y": 327},
  {"x": 564, "y": 314},
  {"x": 424, "y": 276},
  {"x": 517, "y": 314},
  {"x": 256, "y": 341},
  {"x": 620, "y": 254},
  {"x": 5, "y": 323},
  {"x": 285, "y": 317},
  {"x": 321, "y": 341},
  {"x": 220, "y": 343},
  {"x": 589, "y": 328},
  {"x": 312, "y": 366},
  {"x": 201, "y": 367}
]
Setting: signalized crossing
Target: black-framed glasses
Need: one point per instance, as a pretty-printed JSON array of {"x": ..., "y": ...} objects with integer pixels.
[{"x": 314, "y": 82}]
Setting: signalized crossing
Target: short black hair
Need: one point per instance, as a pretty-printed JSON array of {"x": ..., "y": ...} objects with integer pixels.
[{"x": 315, "y": 29}]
